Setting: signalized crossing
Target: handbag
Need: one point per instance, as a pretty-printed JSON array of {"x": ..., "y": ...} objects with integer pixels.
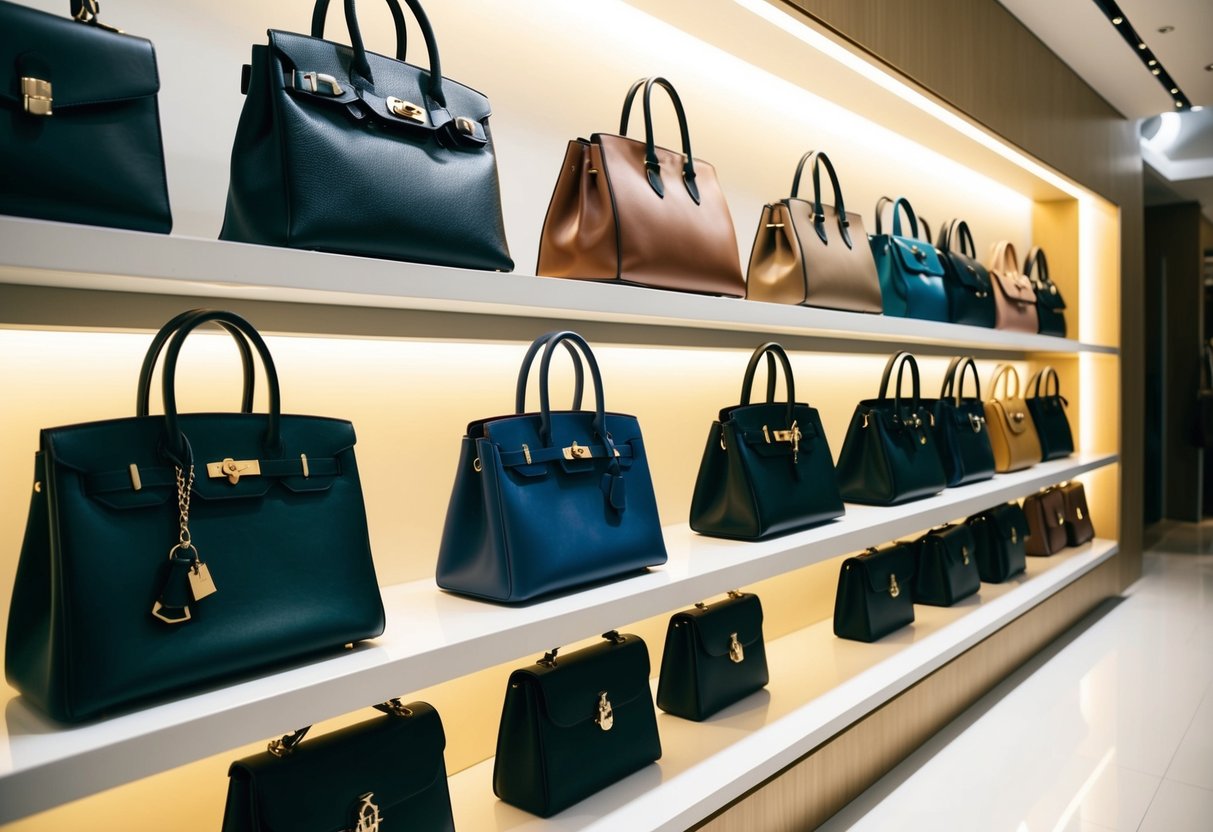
[
  {"x": 1050, "y": 306},
  {"x": 1014, "y": 297},
  {"x": 1048, "y": 411},
  {"x": 1012, "y": 433},
  {"x": 1202, "y": 429},
  {"x": 714, "y": 656},
  {"x": 873, "y": 596},
  {"x": 636, "y": 213},
  {"x": 242, "y": 540},
  {"x": 911, "y": 276},
  {"x": 960, "y": 427},
  {"x": 890, "y": 455},
  {"x": 574, "y": 724},
  {"x": 1079, "y": 529},
  {"x": 809, "y": 253},
  {"x": 1046, "y": 513},
  {"x": 547, "y": 501},
  {"x": 766, "y": 468},
  {"x": 80, "y": 140},
  {"x": 1001, "y": 535},
  {"x": 945, "y": 567},
  {"x": 965, "y": 281},
  {"x": 384, "y": 774},
  {"x": 343, "y": 150}
]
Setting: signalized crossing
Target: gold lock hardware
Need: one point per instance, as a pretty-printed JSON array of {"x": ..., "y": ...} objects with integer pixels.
[
  {"x": 1014, "y": 535},
  {"x": 314, "y": 80},
  {"x": 367, "y": 814},
  {"x": 406, "y": 109},
  {"x": 576, "y": 451},
  {"x": 1061, "y": 519},
  {"x": 1078, "y": 511},
  {"x": 964, "y": 553},
  {"x": 233, "y": 469},
  {"x": 976, "y": 422},
  {"x": 894, "y": 589},
  {"x": 36, "y": 94},
  {"x": 606, "y": 714},
  {"x": 791, "y": 435},
  {"x": 465, "y": 125},
  {"x": 736, "y": 651}
]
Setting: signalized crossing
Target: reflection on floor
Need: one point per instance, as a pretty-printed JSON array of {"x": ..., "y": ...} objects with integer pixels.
[{"x": 1111, "y": 728}]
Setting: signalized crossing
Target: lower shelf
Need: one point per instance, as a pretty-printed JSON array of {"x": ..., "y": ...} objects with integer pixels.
[{"x": 819, "y": 685}]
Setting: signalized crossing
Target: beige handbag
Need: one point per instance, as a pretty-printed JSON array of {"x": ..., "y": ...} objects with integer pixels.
[
  {"x": 812, "y": 254},
  {"x": 1012, "y": 433},
  {"x": 1014, "y": 297}
]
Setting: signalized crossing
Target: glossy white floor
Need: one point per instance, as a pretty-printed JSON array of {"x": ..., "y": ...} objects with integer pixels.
[{"x": 1110, "y": 728}]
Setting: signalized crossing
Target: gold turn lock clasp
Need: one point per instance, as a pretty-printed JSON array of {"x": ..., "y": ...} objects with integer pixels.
[
  {"x": 894, "y": 588},
  {"x": 576, "y": 451},
  {"x": 36, "y": 95},
  {"x": 964, "y": 554},
  {"x": 736, "y": 651},
  {"x": 606, "y": 713},
  {"x": 406, "y": 109},
  {"x": 233, "y": 469},
  {"x": 366, "y": 815}
]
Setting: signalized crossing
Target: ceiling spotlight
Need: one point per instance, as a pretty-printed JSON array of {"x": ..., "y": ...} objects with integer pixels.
[
  {"x": 1156, "y": 70},
  {"x": 1197, "y": 108},
  {"x": 1165, "y": 30},
  {"x": 1116, "y": 21},
  {"x": 1174, "y": 90},
  {"x": 1151, "y": 62},
  {"x": 1179, "y": 104},
  {"x": 1141, "y": 46}
]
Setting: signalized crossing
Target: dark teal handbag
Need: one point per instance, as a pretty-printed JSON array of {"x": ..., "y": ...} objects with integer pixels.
[
  {"x": 167, "y": 552},
  {"x": 911, "y": 274},
  {"x": 959, "y": 424},
  {"x": 965, "y": 280}
]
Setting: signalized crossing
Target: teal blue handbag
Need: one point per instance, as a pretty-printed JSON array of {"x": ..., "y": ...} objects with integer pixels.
[{"x": 910, "y": 271}]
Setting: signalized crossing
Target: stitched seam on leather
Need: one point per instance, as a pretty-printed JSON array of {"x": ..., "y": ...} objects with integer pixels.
[{"x": 57, "y": 588}]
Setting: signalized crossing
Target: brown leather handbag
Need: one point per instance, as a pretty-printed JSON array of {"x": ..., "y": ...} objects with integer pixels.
[
  {"x": 1046, "y": 513},
  {"x": 1079, "y": 529},
  {"x": 812, "y": 254},
  {"x": 1012, "y": 434},
  {"x": 632, "y": 212},
  {"x": 1014, "y": 297}
]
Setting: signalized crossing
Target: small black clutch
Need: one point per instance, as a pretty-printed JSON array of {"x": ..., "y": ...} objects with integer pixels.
[
  {"x": 874, "y": 593},
  {"x": 946, "y": 567},
  {"x": 1001, "y": 535}
]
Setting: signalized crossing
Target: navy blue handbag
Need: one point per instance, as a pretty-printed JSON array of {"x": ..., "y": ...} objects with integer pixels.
[
  {"x": 966, "y": 282},
  {"x": 910, "y": 272},
  {"x": 960, "y": 427},
  {"x": 551, "y": 500}
]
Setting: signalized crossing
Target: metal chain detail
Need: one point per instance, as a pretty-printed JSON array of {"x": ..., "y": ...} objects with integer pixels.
[{"x": 184, "y": 487}]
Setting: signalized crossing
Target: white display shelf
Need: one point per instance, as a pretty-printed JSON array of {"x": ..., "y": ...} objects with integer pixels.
[
  {"x": 819, "y": 685},
  {"x": 55, "y": 255},
  {"x": 433, "y": 637}
]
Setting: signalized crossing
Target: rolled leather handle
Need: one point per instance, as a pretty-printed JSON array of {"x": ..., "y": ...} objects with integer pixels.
[
  {"x": 144, "y": 390},
  {"x": 901, "y": 359},
  {"x": 954, "y": 379},
  {"x": 320, "y": 12},
  {"x": 651, "y": 163},
  {"x": 1003, "y": 373},
  {"x": 545, "y": 406},
  {"x": 772, "y": 351},
  {"x": 362, "y": 67},
  {"x": 524, "y": 372}
]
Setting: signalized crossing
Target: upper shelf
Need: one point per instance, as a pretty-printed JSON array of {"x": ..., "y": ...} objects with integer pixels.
[{"x": 37, "y": 253}]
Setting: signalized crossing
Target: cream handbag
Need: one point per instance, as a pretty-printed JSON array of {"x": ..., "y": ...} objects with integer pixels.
[
  {"x": 1014, "y": 297},
  {"x": 1012, "y": 432}
]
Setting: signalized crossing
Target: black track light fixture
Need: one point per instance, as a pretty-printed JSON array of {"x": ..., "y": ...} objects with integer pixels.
[{"x": 1117, "y": 18}]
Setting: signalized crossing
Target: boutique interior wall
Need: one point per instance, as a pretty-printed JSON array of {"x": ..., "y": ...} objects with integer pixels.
[{"x": 410, "y": 381}]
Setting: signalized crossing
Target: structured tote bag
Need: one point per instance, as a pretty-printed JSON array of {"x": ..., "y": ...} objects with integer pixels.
[
  {"x": 230, "y": 541},
  {"x": 874, "y": 593},
  {"x": 945, "y": 568},
  {"x": 1001, "y": 535},
  {"x": 911, "y": 276},
  {"x": 546, "y": 501},
  {"x": 766, "y": 468},
  {"x": 1202, "y": 427},
  {"x": 1050, "y": 306},
  {"x": 1014, "y": 297},
  {"x": 960, "y": 426},
  {"x": 813, "y": 254},
  {"x": 633, "y": 212},
  {"x": 1012, "y": 433},
  {"x": 385, "y": 774},
  {"x": 1079, "y": 529},
  {"x": 966, "y": 282},
  {"x": 1048, "y": 409},
  {"x": 80, "y": 134},
  {"x": 574, "y": 724},
  {"x": 1046, "y": 513},
  {"x": 340, "y": 149},
  {"x": 890, "y": 455},
  {"x": 714, "y": 656}
]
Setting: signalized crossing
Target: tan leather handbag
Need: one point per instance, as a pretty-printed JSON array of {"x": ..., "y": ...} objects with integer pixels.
[
  {"x": 629, "y": 211},
  {"x": 1014, "y": 297},
  {"x": 1012, "y": 434},
  {"x": 812, "y": 254}
]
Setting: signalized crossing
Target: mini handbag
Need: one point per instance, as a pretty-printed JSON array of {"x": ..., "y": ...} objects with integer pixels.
[
  {"x": 714, "y": 656},
  {"x": 945, "y": 567},
  {"x": 343, "y": 150},
  {"x": 1012, "y": 433},
  {"x": 1048, "y": 411},
  {"x": 965, "y": 280},
  {"x": 1202, "y": 428},
  {"x": 1046, "y": 513},
  {"x": 1079, "y": 529},
  {"x": 911, "y": 276},
  {"x": 80, "y": 135},
  {"x": 960, "y": 427},
  {"x": 1014, "y": 297},
  {"x": 1050, "y": 306},
  {"x": 574, "y": 724},
  {"x": 874, "y": 593},
  {"x": 766, "y": 468},
  {"x": 546, "y": 501},
  {"x": 385, "y": 774},
  {"x": 890, "y": 455},
  {"x": 809, "y": 253},
  {"x": 1001, "y": 535},
  {"x": 633, "y": 212}
]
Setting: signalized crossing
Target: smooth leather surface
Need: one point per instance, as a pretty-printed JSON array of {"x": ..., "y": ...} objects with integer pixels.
[
  {"x": 1012, "y": 433},
  {"x": 1014, "y": 297},
  {"x": 865, "y": 607},
  {"x": 97, "y": 159},
  {"x": 1001, "y": 535},
  {"x": 945, "y": 569},
  {"x": 910, "y": 272},
  {"x": 1048, "y": 411},
  {"x": 1046, "y": 513},
  {"x": 550, "y": 751},
  {"x": 1050, "y": 305},
  {"x": 318, "y": 785},
  {"x": 1079, "y": 528},
  {"x": 698, "y": 677},
  {"x": 966, "y": 282},
  {"x": 959, "y": 424}
]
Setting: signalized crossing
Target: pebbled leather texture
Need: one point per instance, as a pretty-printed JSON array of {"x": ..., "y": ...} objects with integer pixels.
[
  {"x": 97, "y": 159},
  {"x": 551, "y": 753},
  {"x": 945, "y": 568},
  {"x": 1050, "y": 305},
  {"x": 1001, "y": 535},
  {"x": 1079, "y": 528},
  {"x": 1014, "y": 297},
  {"x": 966, "y": 281},
  {"x": 1048, "y": 411},
  {"x": 1012, "y": 433},
  {"x": 875, "y": 593},
  {"x": 910, "y": 272},
  {"x": 960, "y": 428},
  {"x": 1046, "y": 513},
  {"x": 698, "y": 675}
]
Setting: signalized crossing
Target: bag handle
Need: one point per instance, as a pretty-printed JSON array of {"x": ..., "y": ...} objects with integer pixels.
[
  {"x": 651, "y": 165},
  {"x": 954, "y": 379},
  {"x": 1003, "y": 373},
  {"x": 772, "y": 351},
  {"x": 901, "y": 359},
  {"x": 525, "y": 371},
  {"x": 284, "y": 746},
  {"x": 957, "y": 233},
  {"x": 143, "y": 391},
  {"x": 1036, "y": 258},
  {"x": 545, "y": 407},
  {"x": 320, "y": 12},
  {"x": 819, "y": 159},
  {"x": 926, "y": 230},
  {"x": 1003, "y": 258},
  {"x": 1047, "y": 376},
  {"x": 899, "y": 204}
]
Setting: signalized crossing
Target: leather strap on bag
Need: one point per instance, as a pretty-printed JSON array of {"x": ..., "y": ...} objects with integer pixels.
[
  {"x": 1003, "y": 258},
  {"x": 901, "y": 359},
  {"x": 524, "y": 373},
  {"x": 143, "y": 391},
  {"x": 1003, "y": 373},
  {"x": 1048, "y": 377},
  {"x": 819, "y": 218},
  {"x": 955, "y": 236},
  {"x": 899, "y": 204},
  {"x": 954, "y": 379},
  {"x": 320, "y": 12},
  {"x": 651, "y": 164},
  {"x": 771, "y": 350}
]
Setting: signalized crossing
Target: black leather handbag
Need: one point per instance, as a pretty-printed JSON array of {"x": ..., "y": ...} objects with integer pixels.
[
  {"x": 714, "y": 656},
  {"x": 890, "y": 455},
  {"x": 766, "y": 468},
  {"x": 1001, "y": 535},
  {"x": 1047, "y": 408},
  {"x": 383, "y": 775},
  {"x": 874, "y": 593},
  {"x": 1202, "y": 427},
  {"x": 1050, "y": 306},
  {"x": 960, "y": 427},
  {"x": 80, "y": 133},
  {"x": 340, "y": 149},
  {"x": 965, "y": 281},
  {"x": 945, "y": 569},
  {"x": 574, "y": 724},
  {"x": 165, "y": 552}
]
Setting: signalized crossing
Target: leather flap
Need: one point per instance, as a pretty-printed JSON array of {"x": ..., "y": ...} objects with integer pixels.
[
  {"x": 510, "y": 433},
  {"x": 568, "y": 692},
  {"x": 1014, "y": 414},
  {"x": 878, "y": 568},
  {"x": 953, "y": 540},
  {"x": 1015, "y": 286},
  {"x": 1052, "y": 507},
  {"x": 959, "y": 417},
  {"x": 969, "y": 272},
  {"x": 1075, "y": 497},
  {"x": 748, "y": 422},
  {"x": 916, "y": 256},
  {"x": 1010, "y": 516},
  {"x": 1048, "y": 295},
  {"x": 714, "y": 625},
  {"x": 319, "y": 784}
]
